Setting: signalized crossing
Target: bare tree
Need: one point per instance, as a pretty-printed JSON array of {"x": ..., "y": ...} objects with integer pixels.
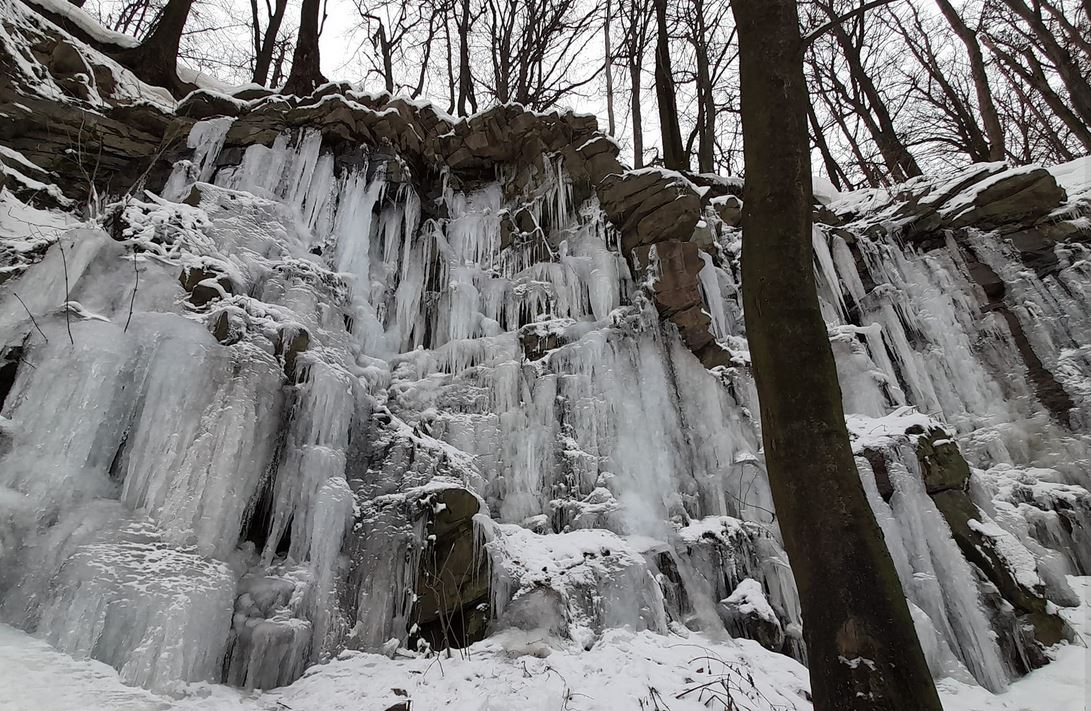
[
  {"x": 466, "y": 96},
  {"x": 985, "y": 104},
  {"x": 534, "y": 50},
  {"x": 863, "y": 651},
  {"x": 868, "y": 102}
]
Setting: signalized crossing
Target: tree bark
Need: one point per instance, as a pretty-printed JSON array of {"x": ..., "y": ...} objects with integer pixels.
[
  {"x": 155, "y": 60},
  {"x": 306, "y": 73},
  {"x": 862, "y": 648},
  {"x": 674, "y": 155}
]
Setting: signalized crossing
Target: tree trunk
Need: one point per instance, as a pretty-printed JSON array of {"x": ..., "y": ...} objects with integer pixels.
[
  {"x": 637, "y": 112},
  {"x": 837, "y": 176},
  {"x": 1067, "y": 68},
  {"x": 264, "y": 61},
  {"x": 862, "y": 648},
  {"x": 1031, "y": 72},
  {"x": 985, "y": 104},
  {"x": 465, "y": 79},
  {"x": 706, "y": 129},
  {"x": 306, "y": 71},
  {"x": 674, "y": 155},
  {"x": 611, "y": 128},
  {"x": 450, "y": 65},
  {"x": 386, "y": 47},
  {"x": 155, "y": 60}
]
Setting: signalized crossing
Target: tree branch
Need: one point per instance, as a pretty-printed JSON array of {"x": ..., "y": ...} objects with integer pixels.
[{"x": 823, "y": 29}]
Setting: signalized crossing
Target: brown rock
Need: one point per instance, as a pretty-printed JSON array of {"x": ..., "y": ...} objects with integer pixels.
[
  {"x": 203, "y": 104},
  {"x": 1020, "y": 197}
]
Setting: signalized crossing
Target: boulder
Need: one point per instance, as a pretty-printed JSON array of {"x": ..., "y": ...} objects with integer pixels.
[
  {"x": 1020, "y": 196},
  {"x": 746, "y": 613},
  {"x": 452, "y": 607},
  {"x": 202, "y": 104},
  {"x": 538, "y": 339},
  {"x": 205, "y": 284},
  {"x": 650, "y": 206},
  {"x": 941, "y": 462},
  {"x": 729, "y": 209}
]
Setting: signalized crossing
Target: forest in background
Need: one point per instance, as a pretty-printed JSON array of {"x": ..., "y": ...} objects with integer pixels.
[{"x": 897, "y": 88}]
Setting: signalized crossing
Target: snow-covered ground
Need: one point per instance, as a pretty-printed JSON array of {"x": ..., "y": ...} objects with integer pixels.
[{"x": 522, "y": 671}]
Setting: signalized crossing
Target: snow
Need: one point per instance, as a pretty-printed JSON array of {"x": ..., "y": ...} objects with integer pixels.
[
  {"x": 1074, "y": 176},
  {"x": 878, "y": 432},
  {"x": 78, "y": 17},
  {"x": 749, "y": 598},
  {"x": 961, "y": 202},
  {"x": 514, "y": 669}
]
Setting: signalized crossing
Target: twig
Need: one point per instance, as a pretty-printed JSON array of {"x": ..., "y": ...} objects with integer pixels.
[
  {"x": 132, "y": 301},
  {"x": 67, "y": 312},
  {"x": 32, "y": 319}
]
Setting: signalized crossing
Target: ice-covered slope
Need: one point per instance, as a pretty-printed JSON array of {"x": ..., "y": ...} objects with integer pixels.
[{"x": 345, "y": 373}]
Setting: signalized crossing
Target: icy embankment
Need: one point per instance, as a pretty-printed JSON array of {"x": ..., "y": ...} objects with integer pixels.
[{"x": 349, "y": 382}]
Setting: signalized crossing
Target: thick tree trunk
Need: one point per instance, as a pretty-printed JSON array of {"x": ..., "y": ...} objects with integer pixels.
[
  {"x": 862, "y": 648},
  {"x": 674, "y": 155},
  {"x": 985, "y": 104},
  {"x": 267, "y": 46},
  {"x": 306, "y": 71},
  {"x": 155, "y": 60}
]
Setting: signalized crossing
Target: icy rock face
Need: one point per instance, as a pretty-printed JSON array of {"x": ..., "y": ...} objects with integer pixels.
[{"x": 361, "y": 375}]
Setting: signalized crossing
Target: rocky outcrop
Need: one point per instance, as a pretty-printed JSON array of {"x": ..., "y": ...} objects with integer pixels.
[
  {"x": 941, "y": 463},
  {"x": 1012, "y": 197},
  {"x": 673, "y": 267},
  {"x": 452, "y": 593},
  {"x": 747, "y": 614},
  {"x": 539, "y": 338},
  {"x": 946, "y": 476}
]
